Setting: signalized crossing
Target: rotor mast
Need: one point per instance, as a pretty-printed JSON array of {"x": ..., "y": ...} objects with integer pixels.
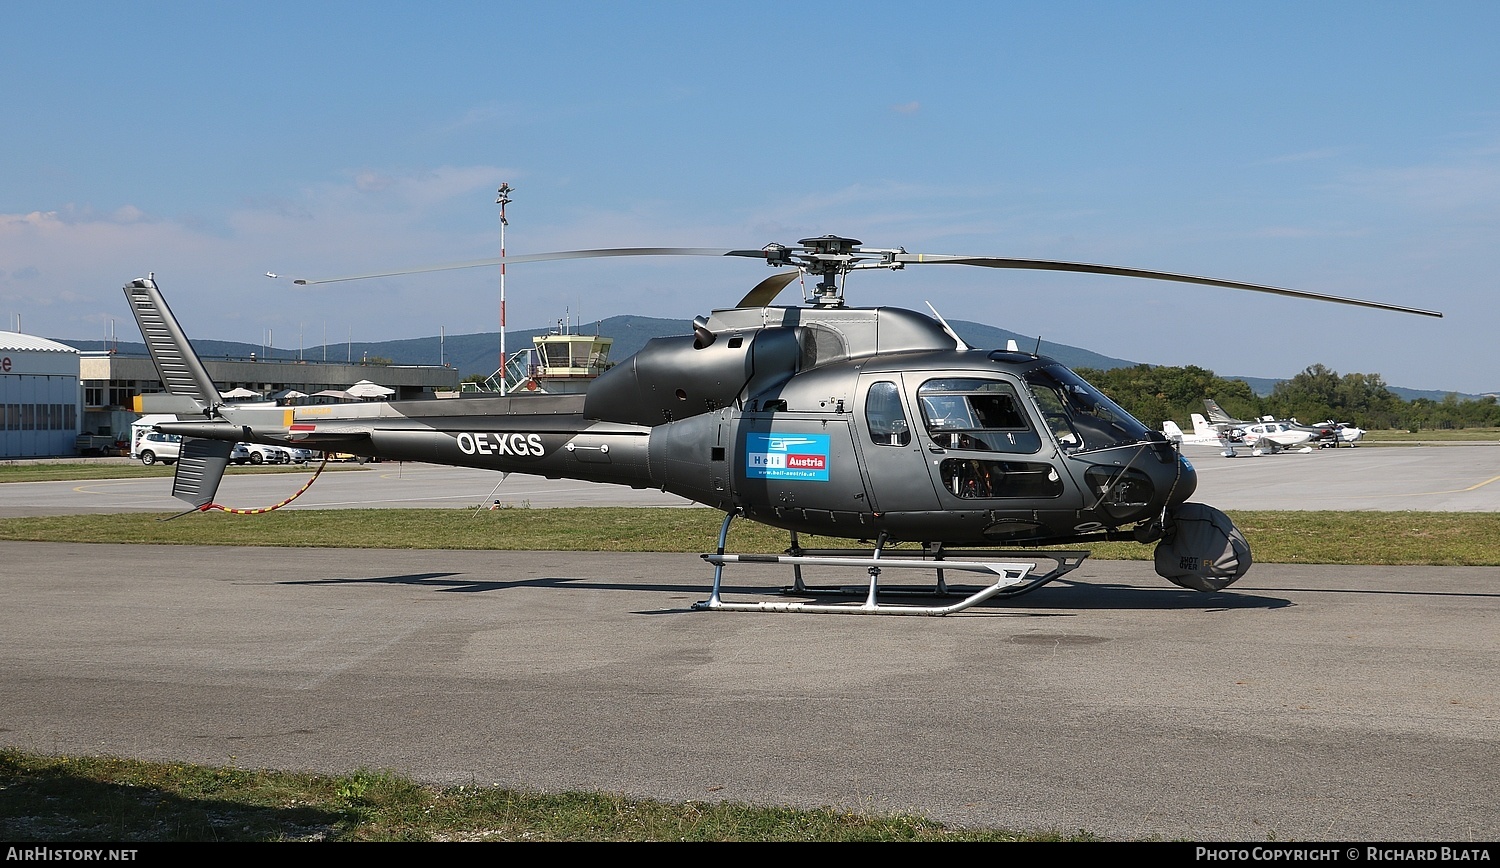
[{"x": 829, "y": 257}]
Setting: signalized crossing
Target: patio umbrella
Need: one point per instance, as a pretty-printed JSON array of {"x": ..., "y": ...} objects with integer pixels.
[
  {"x": 239, "y": 392},
  {"x": 367, "y": 389}
]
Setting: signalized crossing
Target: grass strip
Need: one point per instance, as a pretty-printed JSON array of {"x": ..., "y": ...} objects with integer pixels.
[
  {"x": 1364, "y": 538},
  {"x": 57, "y": 799}
]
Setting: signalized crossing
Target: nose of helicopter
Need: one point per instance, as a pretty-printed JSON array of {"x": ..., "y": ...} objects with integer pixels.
[
  {"x": 1136, "y": 482},
  {"x": 1187, "y": 481},
  {"x": 1171, "y": 473}
]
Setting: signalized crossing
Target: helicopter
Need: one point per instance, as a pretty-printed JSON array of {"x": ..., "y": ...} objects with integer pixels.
[{"x": 872, "y": 424}]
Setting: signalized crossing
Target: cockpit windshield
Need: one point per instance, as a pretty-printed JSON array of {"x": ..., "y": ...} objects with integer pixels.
[{"x": 1080, "y": 417}]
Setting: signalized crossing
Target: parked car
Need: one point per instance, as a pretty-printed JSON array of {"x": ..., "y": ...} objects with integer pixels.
[
  {"x": 300, "y": 455},
  {"x": 260, "y": 453},
  {"x": 240, "y": 454},
  {"x": 155, "y": 446}
]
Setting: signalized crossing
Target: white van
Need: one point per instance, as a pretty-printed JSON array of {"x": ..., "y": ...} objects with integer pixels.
[{"x": 155, "y": 446}]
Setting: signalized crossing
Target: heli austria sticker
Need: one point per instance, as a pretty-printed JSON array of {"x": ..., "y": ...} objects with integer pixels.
[{"x": 787, "y": 456}]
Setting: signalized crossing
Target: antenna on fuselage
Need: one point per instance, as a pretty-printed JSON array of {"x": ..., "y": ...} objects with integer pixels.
[{"x": 959, "y": 342}]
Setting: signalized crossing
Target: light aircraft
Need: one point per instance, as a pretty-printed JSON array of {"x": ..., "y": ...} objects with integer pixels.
[
  {"x": 1331, "y": 434},
  {"x": 1348, "y": 435},
  {"x": 871, "y": 424},
  {"x": 1266, "y": 435},
  {"x": 1270, "y": 437},
  {"x": 1203, "y": 434},
  {"x": 1324, "y": 434}
]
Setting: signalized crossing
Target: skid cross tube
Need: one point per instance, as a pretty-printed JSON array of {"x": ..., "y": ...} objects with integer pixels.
[
  {"x": 937, "y": 558},
  {"x": 1007, "y": 575}
]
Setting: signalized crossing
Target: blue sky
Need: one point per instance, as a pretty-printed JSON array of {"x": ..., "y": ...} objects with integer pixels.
[{"x": 1350, "y": 148}]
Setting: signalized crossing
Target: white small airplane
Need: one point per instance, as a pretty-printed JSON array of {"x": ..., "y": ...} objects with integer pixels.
[
  {"x": 1333, "y": 434},
  {"x": 1349, "y": 434},
  {"x": 1203, "y": 435},
  {"x": 1266, "y": 435},
  {"x": 1273, "y": 436}
]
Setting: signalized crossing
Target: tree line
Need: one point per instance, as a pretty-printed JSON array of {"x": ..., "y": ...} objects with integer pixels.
[{"x": 1155, "y": 393}]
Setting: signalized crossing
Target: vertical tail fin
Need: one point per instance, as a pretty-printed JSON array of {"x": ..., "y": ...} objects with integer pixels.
[
  {"x": 190, "y": 391},
  {"x": 1205, "y": 430},
  {"x": 181, "y": 371},
  {"x": 1215, "y": 412}
]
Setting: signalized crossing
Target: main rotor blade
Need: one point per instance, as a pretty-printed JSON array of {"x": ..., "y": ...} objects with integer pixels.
[
  {"x": 542, "y": 257},
  {"x": 1117, "y": 271},
  {"x": 766, "y": 291}
]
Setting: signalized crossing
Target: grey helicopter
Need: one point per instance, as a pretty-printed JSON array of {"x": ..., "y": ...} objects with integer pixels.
[{"x": 871, "y": 424}]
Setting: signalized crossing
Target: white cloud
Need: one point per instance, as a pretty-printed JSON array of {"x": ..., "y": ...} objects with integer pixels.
[
  {"x": 1464, "y": 181},
  {"x": 64, "y": 267},
  {"x": 1303, "y": 156}
]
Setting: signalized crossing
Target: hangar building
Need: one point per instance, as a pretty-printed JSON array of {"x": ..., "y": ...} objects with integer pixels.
[
  {"x": 40, "y": 401},
  {"x": 56, "y": 401}
]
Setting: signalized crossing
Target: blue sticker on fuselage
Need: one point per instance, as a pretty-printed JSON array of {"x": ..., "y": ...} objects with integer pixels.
[{"x": 787, "y": 456}]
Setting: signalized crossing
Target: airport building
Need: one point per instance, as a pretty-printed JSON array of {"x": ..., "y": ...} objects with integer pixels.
[
  {"x": 57, "y": 401},
  {"x": 40, "y": 406}
]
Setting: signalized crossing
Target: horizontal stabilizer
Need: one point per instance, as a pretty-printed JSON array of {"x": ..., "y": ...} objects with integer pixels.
[
  {"x": 324, "y": 429},
  {"x": 262, "y": 420},
  {"x": 333, "y": 435},
  {"x": 166, "y": 403},
  {"x": 209, "y": 430}
]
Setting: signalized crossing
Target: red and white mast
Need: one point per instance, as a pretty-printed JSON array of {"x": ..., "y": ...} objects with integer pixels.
[{"x": 502, "y": 200}]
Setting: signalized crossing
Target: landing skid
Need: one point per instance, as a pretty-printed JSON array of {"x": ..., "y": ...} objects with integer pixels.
[{"x": 1013, "y": 576}]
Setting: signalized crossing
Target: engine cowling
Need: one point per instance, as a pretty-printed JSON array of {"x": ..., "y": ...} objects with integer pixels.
[{"x": 680, "y": 377}]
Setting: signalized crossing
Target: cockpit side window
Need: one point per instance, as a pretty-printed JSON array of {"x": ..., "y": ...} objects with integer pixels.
[
  {"x": 885, "y": 416},
  {"x": 979, "y": 415}
]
